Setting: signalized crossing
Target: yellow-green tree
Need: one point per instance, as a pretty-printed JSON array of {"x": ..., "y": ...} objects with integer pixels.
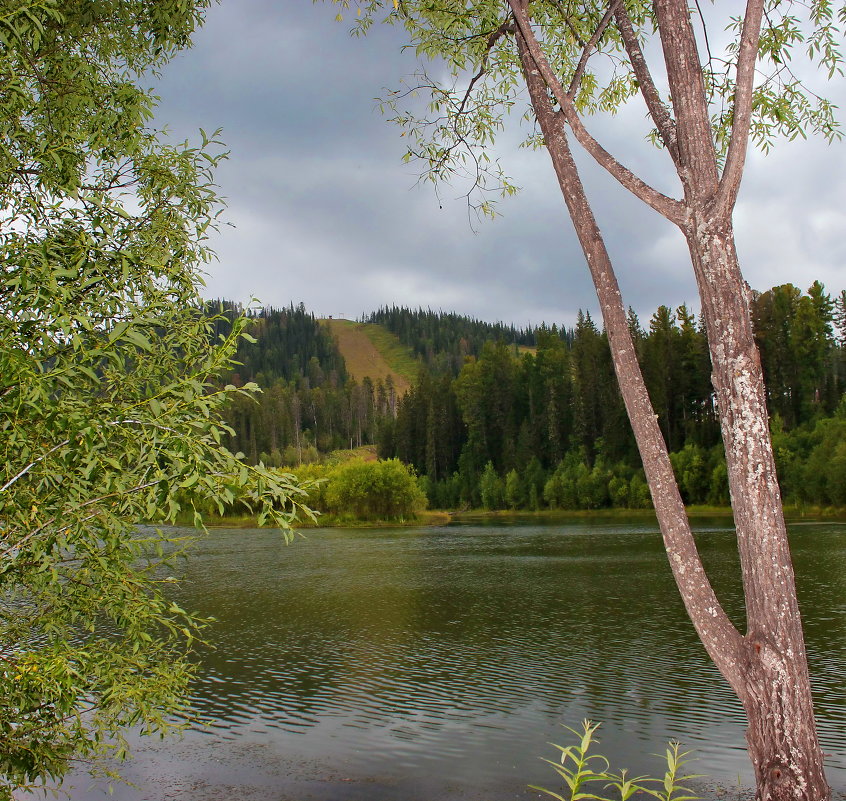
[
  {"x": 108, "y": 415},
  {"x": 381, "y": 490}
]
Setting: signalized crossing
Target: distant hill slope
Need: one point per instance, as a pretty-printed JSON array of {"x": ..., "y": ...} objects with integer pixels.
[
  {"x": 370, "y": 350},
  {"x": 444, "y": 340}
]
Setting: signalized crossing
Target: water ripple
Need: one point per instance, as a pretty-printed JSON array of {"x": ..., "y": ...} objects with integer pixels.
[{"x": 459, "y": 646}]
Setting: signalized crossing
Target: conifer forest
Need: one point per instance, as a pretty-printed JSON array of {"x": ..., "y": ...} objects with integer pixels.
[{"x": 506, "y": 418}]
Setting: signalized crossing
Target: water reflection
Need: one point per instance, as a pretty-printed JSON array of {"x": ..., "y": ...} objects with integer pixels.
[{"x": 437, "y": 663}]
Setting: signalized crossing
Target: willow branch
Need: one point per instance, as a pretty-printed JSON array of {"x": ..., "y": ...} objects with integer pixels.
[
  {"x": 32, "y": 464},
  {"x": 565, "y": 15},
  {"x": 588, "y": 49},
  {"x": 742, "y": 116},
  {"x": 16, "y": 546},
  {"x": 506, "y": 27},
  {"x": 657, "y": 108},
  {"x": 666, "y": 206}
]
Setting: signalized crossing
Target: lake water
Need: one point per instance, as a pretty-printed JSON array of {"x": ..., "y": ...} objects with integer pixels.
[{"x": 438, "y": 663}]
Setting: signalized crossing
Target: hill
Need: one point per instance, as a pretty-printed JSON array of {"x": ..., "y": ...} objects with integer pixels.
[
  {"x": 490, "y": 415},
  {"x": 370, "y": 350},
  {"x": 444, "y": 340}
]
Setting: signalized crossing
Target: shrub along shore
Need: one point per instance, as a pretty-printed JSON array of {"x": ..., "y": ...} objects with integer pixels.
[{"x": 352, "y": 490}]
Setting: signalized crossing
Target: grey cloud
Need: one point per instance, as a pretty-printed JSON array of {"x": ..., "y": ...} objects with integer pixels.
[{"x": 325, "y": 212}]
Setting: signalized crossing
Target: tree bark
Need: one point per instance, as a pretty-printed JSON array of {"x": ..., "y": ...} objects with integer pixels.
[
  {"x": 772, "y": 680},
  {"x": 774, "y": 684},
  {"x": 722, "y": 641}
]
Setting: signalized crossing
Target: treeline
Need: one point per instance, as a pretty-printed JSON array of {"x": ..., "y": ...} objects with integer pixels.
[
  {"x": 543, "y": 426},
  {"x": 288, "y": 344},
  {"x": 293, "y": 422},
  {"x": 549, "y": 430},
  {"x": 444, "y": 340}
]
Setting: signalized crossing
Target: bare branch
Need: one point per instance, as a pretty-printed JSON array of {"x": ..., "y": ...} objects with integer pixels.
[
  {"x": 657, "y": 108},
  {"x": 32, "y": 464},
  {"x": 587, "y": 50},
  {"x": 503, "y": 29},
  {"x": 704, "y": 32},
  {"x": 741, "y": 120},
  {"x": 666, "y": 206}
]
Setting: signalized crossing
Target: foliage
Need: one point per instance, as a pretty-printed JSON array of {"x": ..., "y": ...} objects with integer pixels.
[
  {"x": 491, "y": 488},
  {"x": 309, "y": 407},
  {"x": 560, "y": 406},
  {"x": 358, "y": 490},
  {"x": 515, "y": 497},
  {"x": 474, "y": 82},
  {"x": 554, "y": 413},
  {"x": 582, "y": 771},
  {"x": 109, "y": 408},
  {"x": 382, "y": 490}
]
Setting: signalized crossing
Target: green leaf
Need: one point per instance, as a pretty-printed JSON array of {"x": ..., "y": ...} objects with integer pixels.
[{"x": 138, "y": 338}]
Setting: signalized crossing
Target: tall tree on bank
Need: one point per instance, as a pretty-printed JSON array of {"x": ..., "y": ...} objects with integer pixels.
[{"x": 491, "y": 48}]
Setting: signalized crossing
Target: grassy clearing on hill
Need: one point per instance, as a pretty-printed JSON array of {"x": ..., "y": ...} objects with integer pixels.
[
  {"x": 371, "y": 350},
  {"x": 366, "y": 453}
]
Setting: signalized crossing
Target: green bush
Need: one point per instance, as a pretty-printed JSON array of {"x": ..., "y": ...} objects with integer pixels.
[
  {"x": 515, "y": 496},
  {"x": 618, "y": 490},
  {"x": 693, "y": 469},
  {"x": 639, "y": 495},
  {"x": 381, "y": 490}
]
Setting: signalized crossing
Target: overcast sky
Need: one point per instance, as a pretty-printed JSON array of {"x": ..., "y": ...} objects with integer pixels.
[{"x": 323, "y": 212}]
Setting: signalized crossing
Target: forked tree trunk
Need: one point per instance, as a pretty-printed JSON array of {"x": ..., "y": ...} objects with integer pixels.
[
  {"x": 771, "y": 677},
  {"x": 773, "y": 682},
  {"x": 767, "y": 668},
  {"x": 721, "y": 639}
]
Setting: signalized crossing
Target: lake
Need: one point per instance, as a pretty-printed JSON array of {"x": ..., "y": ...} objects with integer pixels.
[{"x": 438, "y": 663}]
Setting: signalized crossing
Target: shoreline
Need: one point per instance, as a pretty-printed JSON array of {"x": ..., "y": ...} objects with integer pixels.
[{"x": 443, "y": 517}]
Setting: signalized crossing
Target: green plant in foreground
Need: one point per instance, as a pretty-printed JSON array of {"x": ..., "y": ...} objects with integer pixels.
[
  {"x": 110, "y": 407},
  {"x": 582, "y": 772}
]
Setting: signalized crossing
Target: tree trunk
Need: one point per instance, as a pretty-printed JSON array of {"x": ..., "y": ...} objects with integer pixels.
[
  {"x": 774, "y": 684},
  {"x": 721, "y": 639},
  {"x": 767, "y": 668}
]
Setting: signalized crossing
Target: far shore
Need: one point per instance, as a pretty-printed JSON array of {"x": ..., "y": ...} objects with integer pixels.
[{"x": 442, "y": 517}]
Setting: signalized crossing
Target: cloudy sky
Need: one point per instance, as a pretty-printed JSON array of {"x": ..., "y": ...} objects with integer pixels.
[{"x": 322, "y": 211}]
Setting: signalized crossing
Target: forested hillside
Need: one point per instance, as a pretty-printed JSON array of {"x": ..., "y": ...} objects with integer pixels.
[
  {"x": 309, "y": 405},
  {"x": 488, "y": 425},
  {"x": 443, "y": 340},
  {"x": 289, "y": 344}
]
